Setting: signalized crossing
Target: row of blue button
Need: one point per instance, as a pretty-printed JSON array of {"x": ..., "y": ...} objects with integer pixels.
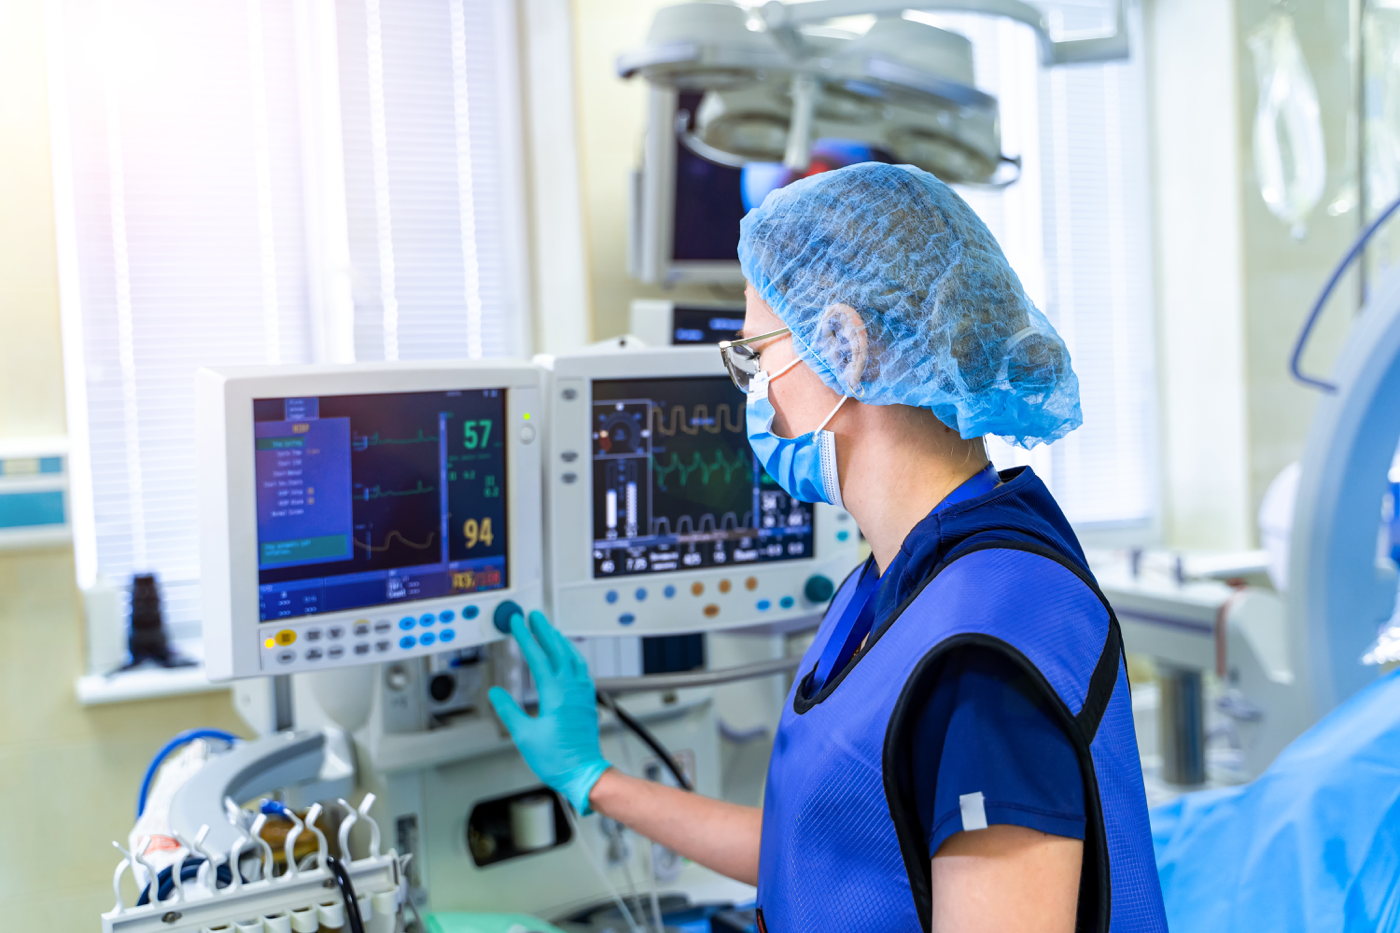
[
  {"x": 427, "y": 619},
  {"x": 641, "y": 594},
  {"x": 427, "y": 638},
  {"x": 787, "y": 602}
]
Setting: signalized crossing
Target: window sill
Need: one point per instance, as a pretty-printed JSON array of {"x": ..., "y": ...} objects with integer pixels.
[{"x": 151, "y": 684}]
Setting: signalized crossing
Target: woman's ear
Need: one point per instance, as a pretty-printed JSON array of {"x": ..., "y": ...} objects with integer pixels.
[{"x": 842, "y": 340}]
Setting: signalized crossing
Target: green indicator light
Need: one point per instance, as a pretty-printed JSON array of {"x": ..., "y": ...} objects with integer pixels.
[{"x": 527, "y": 416}]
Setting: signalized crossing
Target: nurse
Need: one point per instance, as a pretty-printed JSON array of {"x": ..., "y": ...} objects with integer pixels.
[{"x": 957, "y": 752}]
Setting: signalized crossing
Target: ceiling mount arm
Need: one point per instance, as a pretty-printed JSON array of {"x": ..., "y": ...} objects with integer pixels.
[{"x": 782, "y": 18}]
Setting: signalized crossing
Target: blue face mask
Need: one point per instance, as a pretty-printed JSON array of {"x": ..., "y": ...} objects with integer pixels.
[{"x": 804, "y": 466}]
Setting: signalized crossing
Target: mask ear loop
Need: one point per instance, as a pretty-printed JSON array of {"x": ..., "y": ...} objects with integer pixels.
[
  {"x": 822, "y": 426},
  {"x": 795, "y": 361}
]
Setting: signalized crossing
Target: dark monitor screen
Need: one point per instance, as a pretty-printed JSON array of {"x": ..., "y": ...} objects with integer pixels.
[
  {"x": 705, "y": 325},
  {"x": 676, "y": 485},
  {"x": 368, "y": 500},
  {"x": 710, "y": 199}
]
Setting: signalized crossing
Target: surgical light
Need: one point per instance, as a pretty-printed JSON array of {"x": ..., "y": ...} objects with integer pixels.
[{"x": 904, "y": 87}]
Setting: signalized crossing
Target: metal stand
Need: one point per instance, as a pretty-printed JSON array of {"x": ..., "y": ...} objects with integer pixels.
[{"x": 1181, "y": 725}]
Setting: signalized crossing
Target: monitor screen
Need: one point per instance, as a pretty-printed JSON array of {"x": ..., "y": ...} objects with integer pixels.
[
  {"x": 710, "y": 199},
  {"x": 676, "y": 486},
  {"x": 705, "y": 325},
  {"x": 368, "y": 500}
]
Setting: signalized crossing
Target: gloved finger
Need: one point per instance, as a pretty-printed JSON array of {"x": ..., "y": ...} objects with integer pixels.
[
  {"x": 548, "y": 637},
  {"x": 574, "y": 660},
  {"x": 540, "y": 667},
  {"x": 561, "y": 650},
  {"x": 510, "y": 712}
]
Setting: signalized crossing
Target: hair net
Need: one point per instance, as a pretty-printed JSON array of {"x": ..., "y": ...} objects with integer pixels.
[{"x": 947, "y": 325}]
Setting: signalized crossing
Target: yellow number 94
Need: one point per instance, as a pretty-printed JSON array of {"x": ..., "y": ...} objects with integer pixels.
[{"x": 477, "y": 532}]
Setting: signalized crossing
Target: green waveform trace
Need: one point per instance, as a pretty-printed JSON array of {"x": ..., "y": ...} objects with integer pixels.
[
  {"x": 364, "y": 442},
  {"x": 697, "y": 463},
  {"x": 374, "y": 492}
]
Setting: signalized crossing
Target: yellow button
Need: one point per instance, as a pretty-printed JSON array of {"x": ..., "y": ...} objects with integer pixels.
[
  {"x": 724, "y": 586},
  {"x": 286, "y": 637},
  {"x": 697, "y": 587},
  {"x": 711, "y": 610},
  {"x": 751, "y": 583}
]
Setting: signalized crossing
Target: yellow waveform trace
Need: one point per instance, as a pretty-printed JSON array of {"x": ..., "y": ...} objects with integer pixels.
[
  {"x": 389, "y": 542},
  {"x": 725, "y": 419}
]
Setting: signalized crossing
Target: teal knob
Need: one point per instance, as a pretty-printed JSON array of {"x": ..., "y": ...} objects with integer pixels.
[
  {"x": 504, "y": 613},
  {"x": 819, "y": 588}
]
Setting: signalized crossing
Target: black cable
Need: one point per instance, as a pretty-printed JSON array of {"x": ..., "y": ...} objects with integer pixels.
[
  {"x": 347, "y": 892},
  {"x": 641, "y": 732}
]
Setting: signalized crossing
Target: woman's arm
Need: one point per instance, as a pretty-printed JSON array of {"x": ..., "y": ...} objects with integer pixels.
[
  {"x": 561, "y": 746},
  {"x": 1006, "y": 879},
  {"x": 721, "y": 836}
]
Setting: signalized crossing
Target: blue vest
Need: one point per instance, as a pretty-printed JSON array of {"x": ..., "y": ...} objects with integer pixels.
[{"x": 843, "y": 847}]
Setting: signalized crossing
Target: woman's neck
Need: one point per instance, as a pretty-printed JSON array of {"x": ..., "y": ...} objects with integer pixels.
[{"x": 904, "y": 463}]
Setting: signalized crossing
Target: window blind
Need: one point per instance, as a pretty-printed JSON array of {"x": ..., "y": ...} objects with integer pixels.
[
  {"x": 1075, "y": 227},
  {"x": 186, "y": 223},
  {"x": 186, "y": 240},
  {"x": 427, "y": 177}
]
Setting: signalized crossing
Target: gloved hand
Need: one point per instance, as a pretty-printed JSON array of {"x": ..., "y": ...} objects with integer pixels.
[{"x": 561, "y": 744}]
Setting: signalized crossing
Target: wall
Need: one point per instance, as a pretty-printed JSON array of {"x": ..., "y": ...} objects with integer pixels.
[
  {"x": 611, "y": 117},
  {"x": 1233, "y": 285},
  {"x": 68, "y": 775},
  {"x": 1282, "y": 275},
  {"x": 1199, "y": 272}
]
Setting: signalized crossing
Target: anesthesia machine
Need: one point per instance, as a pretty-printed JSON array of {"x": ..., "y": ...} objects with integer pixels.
[{"x": 368, "y": 531}]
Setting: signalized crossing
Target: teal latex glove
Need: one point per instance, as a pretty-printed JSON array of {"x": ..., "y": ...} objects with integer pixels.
[{"x": 561, "y": 743}]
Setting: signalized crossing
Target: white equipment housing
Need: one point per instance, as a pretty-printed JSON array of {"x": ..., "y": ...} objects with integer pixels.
[
  {"x": 464, "y": 600},
  {"x": 706, "y": 594},
  {"x": 665, "y": 323}
]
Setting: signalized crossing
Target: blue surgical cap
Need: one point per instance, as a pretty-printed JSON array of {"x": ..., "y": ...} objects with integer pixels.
[{"x": 947, "y": 325}]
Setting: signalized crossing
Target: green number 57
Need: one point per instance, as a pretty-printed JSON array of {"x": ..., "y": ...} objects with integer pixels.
[{"x": 472, "y": 440}]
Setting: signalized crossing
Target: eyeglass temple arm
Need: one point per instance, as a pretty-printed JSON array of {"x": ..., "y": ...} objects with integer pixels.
[{"x": 726, "y": 344}]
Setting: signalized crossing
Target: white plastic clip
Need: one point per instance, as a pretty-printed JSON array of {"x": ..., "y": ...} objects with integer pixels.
[
  {"x": 267, "y": 864},
  {"x": 138, "y": 855},
  {"x": 177, "y": 871},
  {"x": 289, "y": 847},
  {"x": 373, "y": 826},
  {"x": 122, "y": 866},
  {"x": 209, "y": 871},
  {"x": 343, "y": 835},
  {"x": 322, "y": 850},
  {"x": 235, "y": 856}
]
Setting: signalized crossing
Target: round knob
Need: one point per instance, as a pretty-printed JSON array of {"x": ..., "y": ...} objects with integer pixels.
[
  {"x": 396, "y": 678},
  {"x": 441, "y": 687},
  {"x": 819, "y": 588},
  {"x": 504, "y": 613}
]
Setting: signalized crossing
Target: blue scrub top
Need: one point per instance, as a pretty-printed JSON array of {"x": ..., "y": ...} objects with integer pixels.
[{"x": 985, "y": 728}]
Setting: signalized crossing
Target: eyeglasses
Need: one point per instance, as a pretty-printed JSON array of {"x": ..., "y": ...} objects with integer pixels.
[{"x": 742, "y": 360}]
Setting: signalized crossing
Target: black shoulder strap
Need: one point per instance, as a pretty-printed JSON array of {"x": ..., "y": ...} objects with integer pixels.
[{"x": 1081, "y": 727}]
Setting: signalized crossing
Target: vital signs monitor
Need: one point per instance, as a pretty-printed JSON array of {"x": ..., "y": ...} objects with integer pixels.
[
  {"x": 660, "y": 519},
  {"x": 365, "y": 513}
]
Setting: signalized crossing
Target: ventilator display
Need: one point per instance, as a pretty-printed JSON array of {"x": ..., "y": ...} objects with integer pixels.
[{"x": 676, "y": 486}]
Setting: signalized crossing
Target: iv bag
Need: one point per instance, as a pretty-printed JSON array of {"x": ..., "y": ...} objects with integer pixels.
[{"x": 1288, "y": 150}]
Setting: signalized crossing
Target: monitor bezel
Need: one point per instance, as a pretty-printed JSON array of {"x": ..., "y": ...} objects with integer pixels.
[
  {"x": 570, "y": 512},
  {"x": 228, "y": 507}
]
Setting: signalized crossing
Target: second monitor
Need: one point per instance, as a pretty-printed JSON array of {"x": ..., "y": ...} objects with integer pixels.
[{"x": 661, "y": 519}]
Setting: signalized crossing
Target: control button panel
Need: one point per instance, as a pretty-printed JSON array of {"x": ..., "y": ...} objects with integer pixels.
[
  {"x": 324, "y": 643},
  {"x": 724, "y": 599}
]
